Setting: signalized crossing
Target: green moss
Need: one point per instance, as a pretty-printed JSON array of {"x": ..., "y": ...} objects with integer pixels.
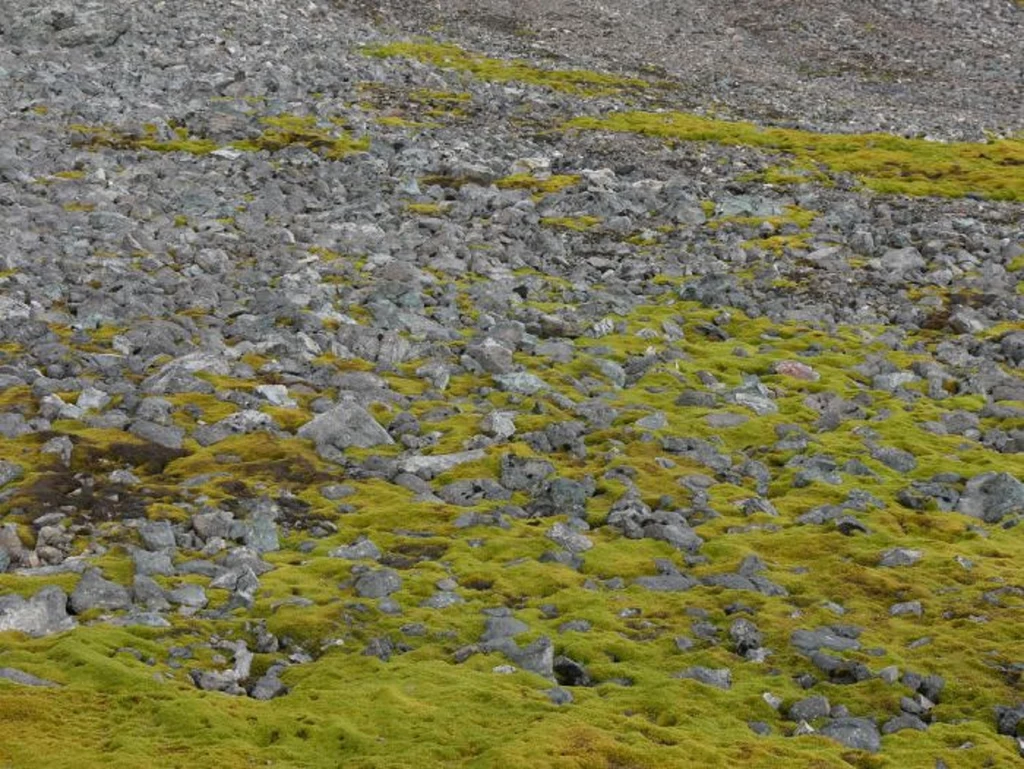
[
  {"x": 427, "y": 209},
  {"x": 448, "y": 56},
  {"x": 576, "y": 223},
  {"x": 884, "y": 163},
  {"x": 281, "y": 131},
  {"x": 540, "y": 186}
]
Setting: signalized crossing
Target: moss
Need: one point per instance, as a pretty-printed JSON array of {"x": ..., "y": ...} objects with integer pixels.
[
  {"x": 448, "y": 56},
  {"x": 884, "y": 163},
  {"x": 427, "y": 209},
  {"x": 539, "y": 185},
  {"x": 76, "y": 206},
  {"x": 281, "y": 131},
  {"x": 576, "y": 223}
]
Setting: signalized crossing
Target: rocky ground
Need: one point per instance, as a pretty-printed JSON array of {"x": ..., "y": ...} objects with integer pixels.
[{"x": 487, "y": 399}]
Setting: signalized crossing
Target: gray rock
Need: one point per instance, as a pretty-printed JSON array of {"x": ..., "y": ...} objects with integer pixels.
[
  {"x": 808, "y": 641},
  {"x": 903, "y": 721},
  {"x": 906, "y": 608},
  {"x": 42, "y": 614},
  {"x": 895, "y": 459},
  {"x": 95, "y": 592},
  {"x": 524, "y": 473},
  {"x": 347, "y": 424},
  {"x": 538, "y": 657},
  {"x": 378, "y": 584},
  {"x": 502, "y": 627},
  {"x": 991, "y": 497},
  {"x": 188, "y": 595},
  {"x": 163, "y": 435},
  {"x": 22, "y": 678},
  {"x": 435, "y": 464},
  {"x": 718, "y": 677},
  {"x": 269, "y": 686},
  {"x": 157, "y": 535},
  {"x": 745, "y": 636},
  {"x": 359, "y": 550},
  {"x": 520, "y": 382},
  {"x": 857, "y": 733},
  {"x": 900, "y": 556},
  {"x": 809, "y": 709},
  {"x": 898, "y": 261},
  {"x": 260, "y": 530},
  {"x": 568, "y": 538},
  {"x": 216, "y": 523},
  {"x": 499, "y": 424},
  {"x": 149, "y": 594},
  {"x": 149, "y": 563},
  {"x": 9, "y": 472}
]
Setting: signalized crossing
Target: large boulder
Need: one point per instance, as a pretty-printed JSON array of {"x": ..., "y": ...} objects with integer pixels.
[
  {"x": 44, "y": 613},
  {"x": 992, "y": 496},
  {"x": 347, "y": 424},
  {"x": 95, "y": 592}
]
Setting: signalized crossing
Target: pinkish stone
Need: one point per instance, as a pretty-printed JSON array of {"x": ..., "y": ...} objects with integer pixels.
[{"x": 797, "y": 370}]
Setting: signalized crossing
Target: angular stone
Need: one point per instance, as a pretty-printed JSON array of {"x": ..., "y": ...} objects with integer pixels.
[
  {"x": 991, "y": 497},
  {"x": 95, "y": 592},
  {"x": 570, "y": 539},
  {"x": 347, "y": 424},
  {"x": 378, "y": 584},
  {"x": 857, "y": 733},
  {"x": 718, "y": 677},
  {"x": 42, "y": 614}
]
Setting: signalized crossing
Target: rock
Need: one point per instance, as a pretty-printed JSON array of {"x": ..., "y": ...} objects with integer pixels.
[
  {"x": 524, "y": 473},
  {"x": 260, "y": 533},
  {"x": 215, "y": 524},
  {"x": 358, "y": 550},
  {"x": 559, "y": 696},
  {"x": 900, "y": 556},
  {"x": 809, "y": 709},
  {"x": 435, "y": 464},
  {"x": 745, "y": 636},
  {"x": 499, "y": 425},
  {"x": 568, "y": 538},
  {"x": 9, "y": 472},
  {"x": 898, "y": 261},
  {"x": 149, "y": 563},
  {"x": 276, "y": 395},
  {"x": 857, "y": 733},
  {"x": 157, "y": 535},
  {"x": 796, "y": 370},
  {"x": 718, "y": 677},
  {"x": 568, "y": 672},
  {"x": 991, "y": 497},
  {"x": 895, "y": 459},
  {"x": 95, "y": 592},
  {"x": 520, "y": 382},
  {"x": 906, "y": 608},
  {"x": 167, "y": 436},
  {"x": 188, "y": 595},
  {"x": 538, "y": 657},
  {"x": 22, "y": 678},
  {"x": 378, "y": 584},
  {"x": 903, "y": 721},
  {"x": 269, "y": 686},
  {"x": 501, "y": 627},
  {"x": 347, "y": 424},
  {"x": 1009, "y": 719},
  {"x": 823, "y": 638},
  {"x": 42, "y": 614}
]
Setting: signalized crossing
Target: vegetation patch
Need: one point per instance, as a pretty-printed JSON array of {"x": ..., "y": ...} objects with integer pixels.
[
  {"x": 884, "y": 163},
  {"x": 448, "y": 56}
]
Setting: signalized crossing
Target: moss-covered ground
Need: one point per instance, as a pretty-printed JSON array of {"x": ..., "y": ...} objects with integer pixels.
[{"x": 124, "y": 700}]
